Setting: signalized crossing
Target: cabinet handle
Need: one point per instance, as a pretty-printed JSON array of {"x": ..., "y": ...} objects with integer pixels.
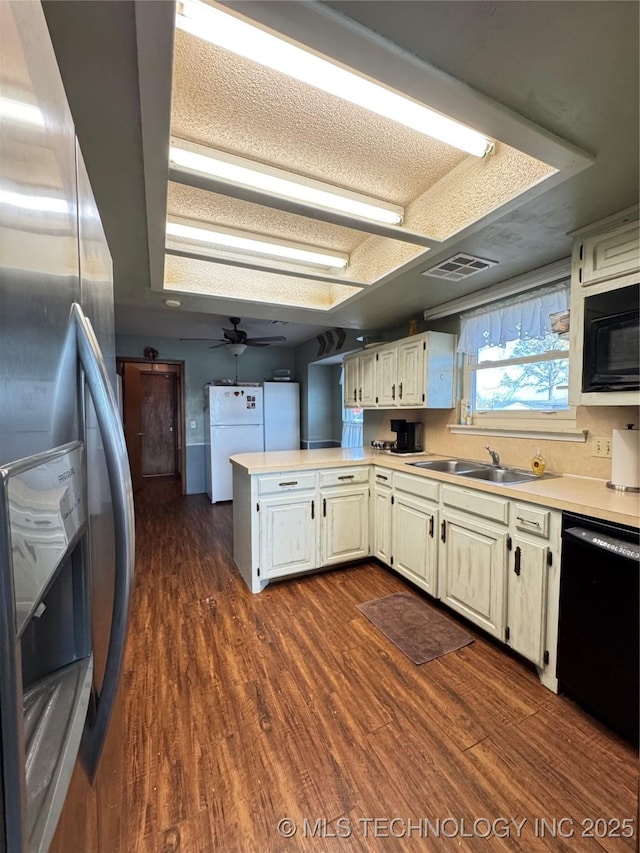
[
  {"x": 313, "y": 509},
  {"x": 355, "y": 395},
  {"x": 381, "y": 477},
  {"x": 527, "y": 520},
  {"x": 443, "y": 531},
  {"x": 347, "y": 477},
  {"x": 393, "y": 392},
  {"x": 289, "y": 483},
  {"x": 431, "y": 527},
  {"x": 324, "y": 507},
  {"x": 517, "y": 563},
  {"x": 400, "y": 391},
  {"x": 360, "y": 394}
]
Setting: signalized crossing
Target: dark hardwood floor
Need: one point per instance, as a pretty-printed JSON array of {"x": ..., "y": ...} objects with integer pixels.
[{"x": 245, "y": 710}]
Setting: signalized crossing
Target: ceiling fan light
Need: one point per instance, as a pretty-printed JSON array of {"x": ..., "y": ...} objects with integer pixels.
[
  {"x": 245, "y": 39},
  {"x": 241, "y": 241},
  {"x": 236, "y": 349},
  {"x": 239, "y": 171}
]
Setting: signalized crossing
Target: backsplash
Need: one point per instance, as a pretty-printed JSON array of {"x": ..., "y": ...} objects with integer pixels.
[{"x": 564, "y": 457}]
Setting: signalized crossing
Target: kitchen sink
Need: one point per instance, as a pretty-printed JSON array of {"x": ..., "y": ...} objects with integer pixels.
[
  {"x": 502, "y": 475},
  {"x": 448, "y": 466}
]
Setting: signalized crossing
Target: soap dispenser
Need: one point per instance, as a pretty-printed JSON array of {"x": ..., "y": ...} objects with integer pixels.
[{"x": 538, "y": 464}]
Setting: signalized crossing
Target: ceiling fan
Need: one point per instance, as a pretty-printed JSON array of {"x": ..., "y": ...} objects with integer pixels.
[{"x": 236, "y": 338}]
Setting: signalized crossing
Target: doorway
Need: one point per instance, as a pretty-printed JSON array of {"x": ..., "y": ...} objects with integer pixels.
[{"x": 153, "y": 418}]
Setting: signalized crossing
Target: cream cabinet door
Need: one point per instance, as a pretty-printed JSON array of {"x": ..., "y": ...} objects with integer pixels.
[
  {"x": 381, "y": 519},
  {"x": 411, "y": 377},
  {"x": 472, "y": 564},
  {"x": 351, "y": 382},
  {"x": 386, "y": 378},
  {"x": 609, "y": 255},
  {"x": 344, "y": 524},
  {"x": 367, "y": 387},
  {"x": 288, "y": 535},
  {"x": 414, "y": 550},
  {"x": 527, "y": 598}
]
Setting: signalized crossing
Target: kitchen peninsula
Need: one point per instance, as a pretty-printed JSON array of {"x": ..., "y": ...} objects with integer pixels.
[{"x": 455, "y": 538}]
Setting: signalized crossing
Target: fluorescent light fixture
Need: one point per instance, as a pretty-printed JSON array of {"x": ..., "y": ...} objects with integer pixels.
[
  {"x": 243, "y": 242},
  {"x": 245, "y": 39},
  {"x": 20, "y": 112},
  {"x": 277, "y": 182}
]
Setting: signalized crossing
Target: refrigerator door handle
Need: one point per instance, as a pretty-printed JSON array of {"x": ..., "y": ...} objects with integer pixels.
[{"x": 115, "y": 451}]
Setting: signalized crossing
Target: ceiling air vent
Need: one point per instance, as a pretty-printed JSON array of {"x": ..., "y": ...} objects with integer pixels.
[{"x": 458, "y": 267}]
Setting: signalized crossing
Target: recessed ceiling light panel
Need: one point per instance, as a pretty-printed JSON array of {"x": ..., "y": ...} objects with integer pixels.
[
  {"x": 458, "y": 267},
  {"x": 245, "y": 39}
]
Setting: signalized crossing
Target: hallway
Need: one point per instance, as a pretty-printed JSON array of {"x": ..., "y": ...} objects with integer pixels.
[{"x": 243, "y": 710}]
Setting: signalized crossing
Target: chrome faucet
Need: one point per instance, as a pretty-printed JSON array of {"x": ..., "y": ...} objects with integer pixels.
[{"x": 495, "y": 457}]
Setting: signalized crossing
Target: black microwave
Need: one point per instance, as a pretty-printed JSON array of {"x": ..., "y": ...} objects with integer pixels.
[{"x": 612, "y": 341}]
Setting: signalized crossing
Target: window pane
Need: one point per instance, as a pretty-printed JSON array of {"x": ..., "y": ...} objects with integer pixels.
[
  {"x": 538, "y": 385},
  {"x": 518, "y": 349}
]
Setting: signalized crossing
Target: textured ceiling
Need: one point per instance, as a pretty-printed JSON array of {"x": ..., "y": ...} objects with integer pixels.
[
  {"x": 223, "y": 101},
  {"x": 571, "y": 68}
]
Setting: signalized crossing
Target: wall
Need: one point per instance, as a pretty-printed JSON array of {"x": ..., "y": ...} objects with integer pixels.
[
  {"x": 320, "y": 392},
  {"x": 561, "y": 456},
  {"x": 323, "y": 403},
  {"x": 202, "y": 365}
]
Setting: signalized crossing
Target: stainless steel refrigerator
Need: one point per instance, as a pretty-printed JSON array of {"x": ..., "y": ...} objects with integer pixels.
[{"x": 66, "y": 509}]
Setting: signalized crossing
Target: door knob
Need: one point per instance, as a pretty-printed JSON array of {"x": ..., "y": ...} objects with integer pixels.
[{"x": 140, "y": 433}]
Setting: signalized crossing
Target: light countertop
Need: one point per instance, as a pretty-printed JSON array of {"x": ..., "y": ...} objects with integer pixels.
[{"x": 584, "y": 495}]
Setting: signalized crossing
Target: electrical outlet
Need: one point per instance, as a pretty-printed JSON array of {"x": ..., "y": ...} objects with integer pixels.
[{"x": 601, "y": 446}]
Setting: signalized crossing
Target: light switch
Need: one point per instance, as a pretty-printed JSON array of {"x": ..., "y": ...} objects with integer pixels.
[{"x": 193, "y": 424}]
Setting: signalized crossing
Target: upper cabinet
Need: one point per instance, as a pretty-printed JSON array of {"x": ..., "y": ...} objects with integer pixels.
[
  {"x": 608, "y": 255},
  {"x": 412, "y": 373},
  {"x": 605, "y": 272}
]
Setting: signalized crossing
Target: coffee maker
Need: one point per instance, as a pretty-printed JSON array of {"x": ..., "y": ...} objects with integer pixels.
[{"x": 409, "y": 438}]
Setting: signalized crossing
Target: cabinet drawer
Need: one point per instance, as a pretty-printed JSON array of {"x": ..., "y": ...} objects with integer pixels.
[
  {"x": 286, "y": 482},
  {"x": 382, "y": 477},
  {"x": 533, "y": 519},
  {"x": 423, "y": 487},
  {"x": 344, "y": 476},
  {"x": 479, "y": 503}
]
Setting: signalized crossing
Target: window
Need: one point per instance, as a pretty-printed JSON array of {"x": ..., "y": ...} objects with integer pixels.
[{"x": 516, "y": 365}]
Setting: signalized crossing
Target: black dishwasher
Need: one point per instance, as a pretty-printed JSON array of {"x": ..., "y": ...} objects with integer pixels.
[{"x": 598, "y": 636}]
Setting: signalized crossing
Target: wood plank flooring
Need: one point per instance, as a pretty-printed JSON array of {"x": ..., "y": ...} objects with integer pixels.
[{"x": 244, "y": 710}]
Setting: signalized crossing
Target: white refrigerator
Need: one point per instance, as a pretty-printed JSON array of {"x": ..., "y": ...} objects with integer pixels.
[
  {"x": 235, "y": 417},
  {"x": 281, "y": 415}
]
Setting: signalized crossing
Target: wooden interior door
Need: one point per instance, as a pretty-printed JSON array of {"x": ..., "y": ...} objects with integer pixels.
[
  {"x": 159, "y": 454},
  {"x": 132, "y": 411}
]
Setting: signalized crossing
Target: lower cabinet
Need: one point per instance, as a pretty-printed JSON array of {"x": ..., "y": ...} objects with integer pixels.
[
  {"x": 492, "y": 559},
  {"x": 288, "y": 534},
  {"x": 381, "y": 515},
  {"x": 303, "y": 527},
  {"x": 344, "y": 524},
  {"x": 414, "y": 546},
  {"x": 473, "y": 556},
  {"x": 527, "y": 598}
]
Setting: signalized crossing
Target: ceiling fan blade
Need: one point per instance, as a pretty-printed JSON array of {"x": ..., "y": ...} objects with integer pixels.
[
  {"x": 223, "y": 344},
  {"x": 251, "y": 342},
  {"x": 203, "y": 339},
  {"x": 271, "y": 338}
]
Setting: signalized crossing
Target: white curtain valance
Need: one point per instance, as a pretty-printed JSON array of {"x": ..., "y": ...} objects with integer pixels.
[{"x": 516, "y": 318}]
